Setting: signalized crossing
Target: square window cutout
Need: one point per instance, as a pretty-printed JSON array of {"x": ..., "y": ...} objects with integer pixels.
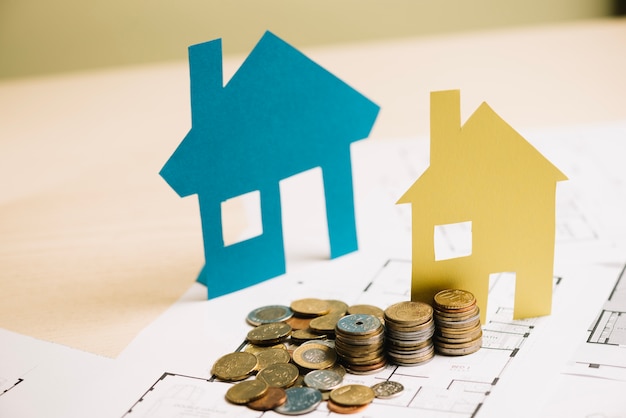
[
  {"x": 241, "y": 218},
  {"x": 453, "y": 240}
]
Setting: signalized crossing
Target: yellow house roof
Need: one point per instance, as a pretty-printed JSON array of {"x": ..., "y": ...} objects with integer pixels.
[{"x": 485, "y": 154}]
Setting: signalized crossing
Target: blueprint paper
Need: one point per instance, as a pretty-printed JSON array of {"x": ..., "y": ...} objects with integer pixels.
[
  {"x": 528, "y": 357},
  {"x": 279, "y": 115}
]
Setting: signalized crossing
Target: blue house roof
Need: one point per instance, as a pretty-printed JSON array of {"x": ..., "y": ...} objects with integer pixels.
[{"x": 279, "y": 115}]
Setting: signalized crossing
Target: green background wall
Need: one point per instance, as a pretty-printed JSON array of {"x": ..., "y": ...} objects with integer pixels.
[{"x": 46, "y": 36}]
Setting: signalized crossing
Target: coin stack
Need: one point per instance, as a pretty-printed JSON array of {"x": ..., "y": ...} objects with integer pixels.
[
  {"x": 359, "y": 342},
  {"x": 457, "y": 319},
  {"x": 408, "y": 333}
]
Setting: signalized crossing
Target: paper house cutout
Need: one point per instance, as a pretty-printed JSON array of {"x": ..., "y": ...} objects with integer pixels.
[
  {"x": 485, "y": 173},
  {"x": 279, "y": 115}
]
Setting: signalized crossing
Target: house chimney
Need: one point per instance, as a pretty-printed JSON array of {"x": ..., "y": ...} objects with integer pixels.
[
  {"x": 205, "y": 74},
  {"x": 445, "y": 122}
]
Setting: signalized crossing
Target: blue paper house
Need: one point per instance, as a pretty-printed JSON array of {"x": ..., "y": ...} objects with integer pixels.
[{"x": 279, "y": 115}]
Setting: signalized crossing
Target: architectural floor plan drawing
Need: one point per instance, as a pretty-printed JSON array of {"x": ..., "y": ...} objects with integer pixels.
[
  {"x": 442, "y": 387},
  {"x": 603, "y": 354},
  {"x": 610, "y": 328}
]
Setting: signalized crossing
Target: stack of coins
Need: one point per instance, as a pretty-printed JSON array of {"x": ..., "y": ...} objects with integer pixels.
[
  {"x": 408, "y": 333},
  {"x": 359, "y": 343},
  {"x": 457, "y": 318}
]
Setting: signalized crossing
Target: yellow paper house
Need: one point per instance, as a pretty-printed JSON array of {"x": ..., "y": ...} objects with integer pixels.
[{"x": 487, "y": 177}]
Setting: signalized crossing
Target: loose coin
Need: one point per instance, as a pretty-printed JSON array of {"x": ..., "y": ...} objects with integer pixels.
[
  {"x": 342, "y": 409},
  {"x": 254, "y": 349},
  {"x": 310, "y": 307},
  {"x": 337, "y": 307},
  {"x": 268, "y": 334},
  {"x": 352, "y": 395},
  {"x": 300, "y": 400},
  {"x": 272, "y": 356},
  {"x": 246, "y": 391},
  {"x": 269, "y": 314},
  {"x": 367, "y": 309},
  {"x": 387, "y": 389},
  {"x": 325, "y": 324},
  {"x": 234, "y": 366},
  {"x": 281, "y": 375},
  {"x": 273, "y": 397},
  {"x": 300, "y": 336},
  {"x": 298, "y": 322},
  {"x": 323, "y": 379},
  {"x": 314, "y": 356}
]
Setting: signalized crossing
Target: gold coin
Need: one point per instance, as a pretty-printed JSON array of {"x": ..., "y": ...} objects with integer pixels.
[
  {"x": 314, "y": 356},
  {"x": 234, "y": 366},
  {"x": 325, "y": 324},
  {"x": 352, "y": 395},
  {"x": 301, "y": 335},
  {"x": 272, "y": 356},
  {"x": 337, "y": 307},
  {"x": 409, "y": 313},
  {"x": 367, "y": 309},
  {"x": 254, "y": 349},
  {"x": 342, "y": 409},
  {"x": 454, "y": 299},
  {"x": 247, "y": 391},
  {"x": 281, "y": 375},
  {"x": 310, "y": 307},
  {"x": 267, "y": 334}
]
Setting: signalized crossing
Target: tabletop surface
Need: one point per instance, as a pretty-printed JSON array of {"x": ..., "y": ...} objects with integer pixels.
[{"x": 93, "y": 243}]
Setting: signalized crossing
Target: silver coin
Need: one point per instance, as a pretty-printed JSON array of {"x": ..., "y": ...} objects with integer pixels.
[
  {"x": 300, "y": 400},
  {"x": 358, "y": 324},
  {"x": 269, "y": 314},
  {"x": 387, "y": 389},
  {"x": 323, "y": 379}
]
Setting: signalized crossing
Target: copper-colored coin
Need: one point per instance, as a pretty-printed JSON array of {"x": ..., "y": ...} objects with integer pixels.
[
  {"x": 246, "y": 391},
  {"x": 342, "y": 409},
  {"x": 234, "y": 366},
  {"x": 454, "y": 299},
  {"x": 297, "y": 322},
  {"x": 268, "y": 334},
  {"x": 409, "y": 313},
  {"x": 352, "y": 395},
  {"x": 273, "y": 397},
  {"x": 310, "y": 307}
]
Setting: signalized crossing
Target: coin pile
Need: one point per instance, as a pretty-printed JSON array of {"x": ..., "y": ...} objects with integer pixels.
[
  {"x": 290, "y": 362},
  {"x": 359, "y": 343},
  {"x": 457, "y": 319},
  {"x": 408, "y": 333}
]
